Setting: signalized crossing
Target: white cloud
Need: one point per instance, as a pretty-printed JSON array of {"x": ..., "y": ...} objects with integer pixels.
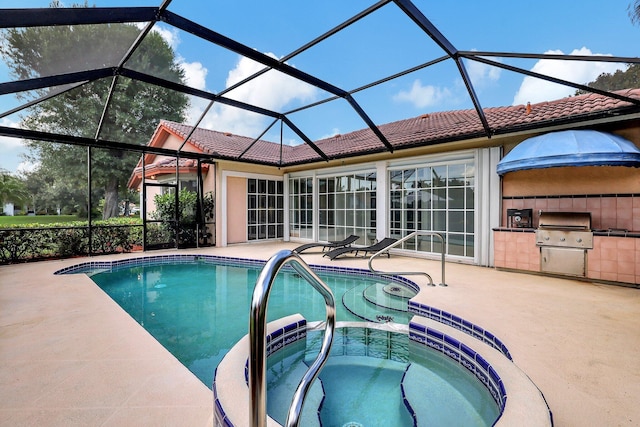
[
  {"x": 12, "y": 149},
  {"x": 334, "y": 132},
  {"x": 537, "y": 90},
  {"x": 10, "y": 144},
  {"x": 170, "y": 35},
  {"x": 423, "y": 96},
  {"x": 481, "y": 73},
  {"x": 195, "y": 74},
  {"x": 7, "y": 143},
  {"x": 272, "y": 90},
  {"x": 27, "y": 167}
]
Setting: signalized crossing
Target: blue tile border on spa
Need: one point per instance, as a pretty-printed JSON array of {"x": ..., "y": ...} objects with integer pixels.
[
  {"x": 461, "y": 324},
  {"x": 464, "y": 355},
  {"x": 420, "y": 334},
  {"x": 275, "y": 341}
]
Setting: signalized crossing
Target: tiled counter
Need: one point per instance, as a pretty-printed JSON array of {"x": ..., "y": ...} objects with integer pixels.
[
  {"x": 615, "y": 258},
  {"x": 612, "y": 259},
  {"x": 515, "y": 248}
]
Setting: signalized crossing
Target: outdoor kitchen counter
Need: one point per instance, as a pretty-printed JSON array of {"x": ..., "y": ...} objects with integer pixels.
[{"x": 615, "y": 256}]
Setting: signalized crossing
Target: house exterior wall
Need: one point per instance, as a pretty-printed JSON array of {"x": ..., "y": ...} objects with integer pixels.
[
  {"x": 482, "y": 181},
  {"x": 237, "y": 208},
  {"x": 228, "y": 211},
  {"x": 608, "y": 192},
  {"x": 9, "y": 209}
]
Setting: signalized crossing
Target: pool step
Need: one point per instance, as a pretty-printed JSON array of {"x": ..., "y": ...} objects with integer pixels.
[
  {"x": 280, "y": 393},
  {"x": 372, "y": 303},
  {"x": 388, "y": 295},
  {"x": 448, "y": 393}
]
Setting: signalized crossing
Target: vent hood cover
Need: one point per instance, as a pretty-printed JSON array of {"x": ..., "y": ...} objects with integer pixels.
[{"x": 570, "y": 148}]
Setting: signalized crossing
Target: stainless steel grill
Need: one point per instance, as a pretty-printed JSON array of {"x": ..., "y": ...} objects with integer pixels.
[{"x": 563, "y": 238}]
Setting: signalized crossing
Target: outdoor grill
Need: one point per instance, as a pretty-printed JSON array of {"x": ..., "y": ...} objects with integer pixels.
[{"x": 563, "y": 238}]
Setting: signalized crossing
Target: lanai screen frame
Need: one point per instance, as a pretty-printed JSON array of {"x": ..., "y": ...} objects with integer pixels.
[
  {"x": 33, "y": 17},
  {"x": 12, "y": 18}
]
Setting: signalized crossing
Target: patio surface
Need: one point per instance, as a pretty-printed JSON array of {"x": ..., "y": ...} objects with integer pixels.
[{"x": 69, "y": 356}]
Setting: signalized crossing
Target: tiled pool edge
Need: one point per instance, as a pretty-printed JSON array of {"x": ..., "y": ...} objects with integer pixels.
[
  {"x": 280, "y": 333},
  {"x": 461, "y": 324},
  {"x": 429, "y": 312},
  {"x": 526, "y": 405},
  {"x": 525, "y": 394},
  {"x": 464, "y": 355},
  {"x": 91, "y": 267}
]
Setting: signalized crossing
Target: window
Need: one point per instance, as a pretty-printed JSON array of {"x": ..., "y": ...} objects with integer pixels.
[
  {"x": 347, "y": 205},
  {"x": 265, "y": 209},
  {"x": 436, "y": 198},
  {"x": 185, "y": 184},
  {"x": 301, "y": 207}
]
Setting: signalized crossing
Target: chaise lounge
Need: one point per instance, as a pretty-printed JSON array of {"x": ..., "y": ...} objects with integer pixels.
[
  {"x": 384, "y": 243},
  {"x": 333, "y": 245}
]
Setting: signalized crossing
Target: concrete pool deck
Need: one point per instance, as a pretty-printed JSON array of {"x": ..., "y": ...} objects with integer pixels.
[{"x": 69, "y": 356}]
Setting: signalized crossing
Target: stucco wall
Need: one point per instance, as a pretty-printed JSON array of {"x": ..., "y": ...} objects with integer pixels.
[
  {"x": 233, "y": 211},
  {"x": 236, "y": 209},
  {"x": 572, "y": 180},
  {"x": 611, "y": 194}
]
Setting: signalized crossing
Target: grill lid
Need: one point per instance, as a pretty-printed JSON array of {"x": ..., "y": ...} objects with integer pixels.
[{"x": 565, "y": 220}]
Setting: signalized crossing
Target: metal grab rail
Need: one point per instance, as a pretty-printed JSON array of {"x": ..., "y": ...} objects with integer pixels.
[
  {"x": 257, "y": 338},
  {"x": 407, "y": 237}
]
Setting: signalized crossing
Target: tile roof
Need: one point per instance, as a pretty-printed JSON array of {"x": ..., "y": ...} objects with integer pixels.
[
  {"x": 168, "y": 165},
  {"x": 427, "y": 129}
]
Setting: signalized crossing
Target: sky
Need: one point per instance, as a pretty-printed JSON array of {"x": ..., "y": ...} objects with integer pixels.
[{"x": 384, "y": 43}]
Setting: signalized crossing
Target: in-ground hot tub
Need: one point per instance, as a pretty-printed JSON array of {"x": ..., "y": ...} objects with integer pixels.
[{"x": 487, "y": 383}]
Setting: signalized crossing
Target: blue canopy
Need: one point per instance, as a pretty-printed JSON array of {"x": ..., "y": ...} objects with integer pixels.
[{"x": 570, "y": 148}]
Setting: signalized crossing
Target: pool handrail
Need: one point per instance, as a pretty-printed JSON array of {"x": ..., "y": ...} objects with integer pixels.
[
  {"x": 257, "y": 338},
  {"x": 407, "y": 237}
]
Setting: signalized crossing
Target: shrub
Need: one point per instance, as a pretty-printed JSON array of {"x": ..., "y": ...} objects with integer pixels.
[
  {"x": 38, "y": 241},
  {"x": 188, "y": 218}
]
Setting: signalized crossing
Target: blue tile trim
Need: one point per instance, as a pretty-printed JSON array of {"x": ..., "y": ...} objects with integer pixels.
[
  {"x": 463, "y": 355},
  {"x": 93, "y": 267},
  {"x": 220, "y": 417},
  {"x": 280, "y": 338},
  {"x": 406, "y": 402},
  {"x": 459, "y": 323}
]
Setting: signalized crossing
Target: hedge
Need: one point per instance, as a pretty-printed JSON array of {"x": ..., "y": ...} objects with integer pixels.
[{"x": 39, "y": 241}]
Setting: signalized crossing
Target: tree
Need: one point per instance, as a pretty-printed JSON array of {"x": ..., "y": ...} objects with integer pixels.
[
  {"x": 12, "y": 189},
  {"x": 634, "y": 12},
  {"x": 629, "y": 78},
  {"x": 133, "y": 112}
]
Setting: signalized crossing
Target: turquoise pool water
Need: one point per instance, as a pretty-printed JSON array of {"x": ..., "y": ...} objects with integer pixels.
[
  {"x": 199, "y": 310},
  {"x": 378, "y": 378}
]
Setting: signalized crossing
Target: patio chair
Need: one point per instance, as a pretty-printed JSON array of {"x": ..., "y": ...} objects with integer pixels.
[
  {"x": 387, "y": 241},
  {"x": 333, "y": 245}
]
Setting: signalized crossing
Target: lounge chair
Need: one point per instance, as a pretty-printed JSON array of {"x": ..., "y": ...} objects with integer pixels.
[
  {"x": 387, "y": 241},
  {"x": 333, "y": 245}
]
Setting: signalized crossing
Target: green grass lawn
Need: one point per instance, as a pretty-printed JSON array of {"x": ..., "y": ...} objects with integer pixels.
[{"x": 38, "y": 219}]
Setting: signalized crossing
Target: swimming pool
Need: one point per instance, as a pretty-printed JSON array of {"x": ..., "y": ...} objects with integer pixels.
[
  {"x": 198, "y": 307},
  {"x": 199, "y": 319}
]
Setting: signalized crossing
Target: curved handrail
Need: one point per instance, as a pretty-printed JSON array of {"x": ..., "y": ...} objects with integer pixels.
[
  {"x": 407, "y": 237},
  {"x": 257, "y": 338}
]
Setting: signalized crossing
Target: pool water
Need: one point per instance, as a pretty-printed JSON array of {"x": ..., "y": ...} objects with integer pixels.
[
  {"x": 367, "y": 378},
  {"x": 199, "y": 310}
]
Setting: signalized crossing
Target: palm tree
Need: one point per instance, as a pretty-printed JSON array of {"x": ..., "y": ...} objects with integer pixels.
[
  {"x": 12, "y": 189},
  {"x": 634, "y": 12}
]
